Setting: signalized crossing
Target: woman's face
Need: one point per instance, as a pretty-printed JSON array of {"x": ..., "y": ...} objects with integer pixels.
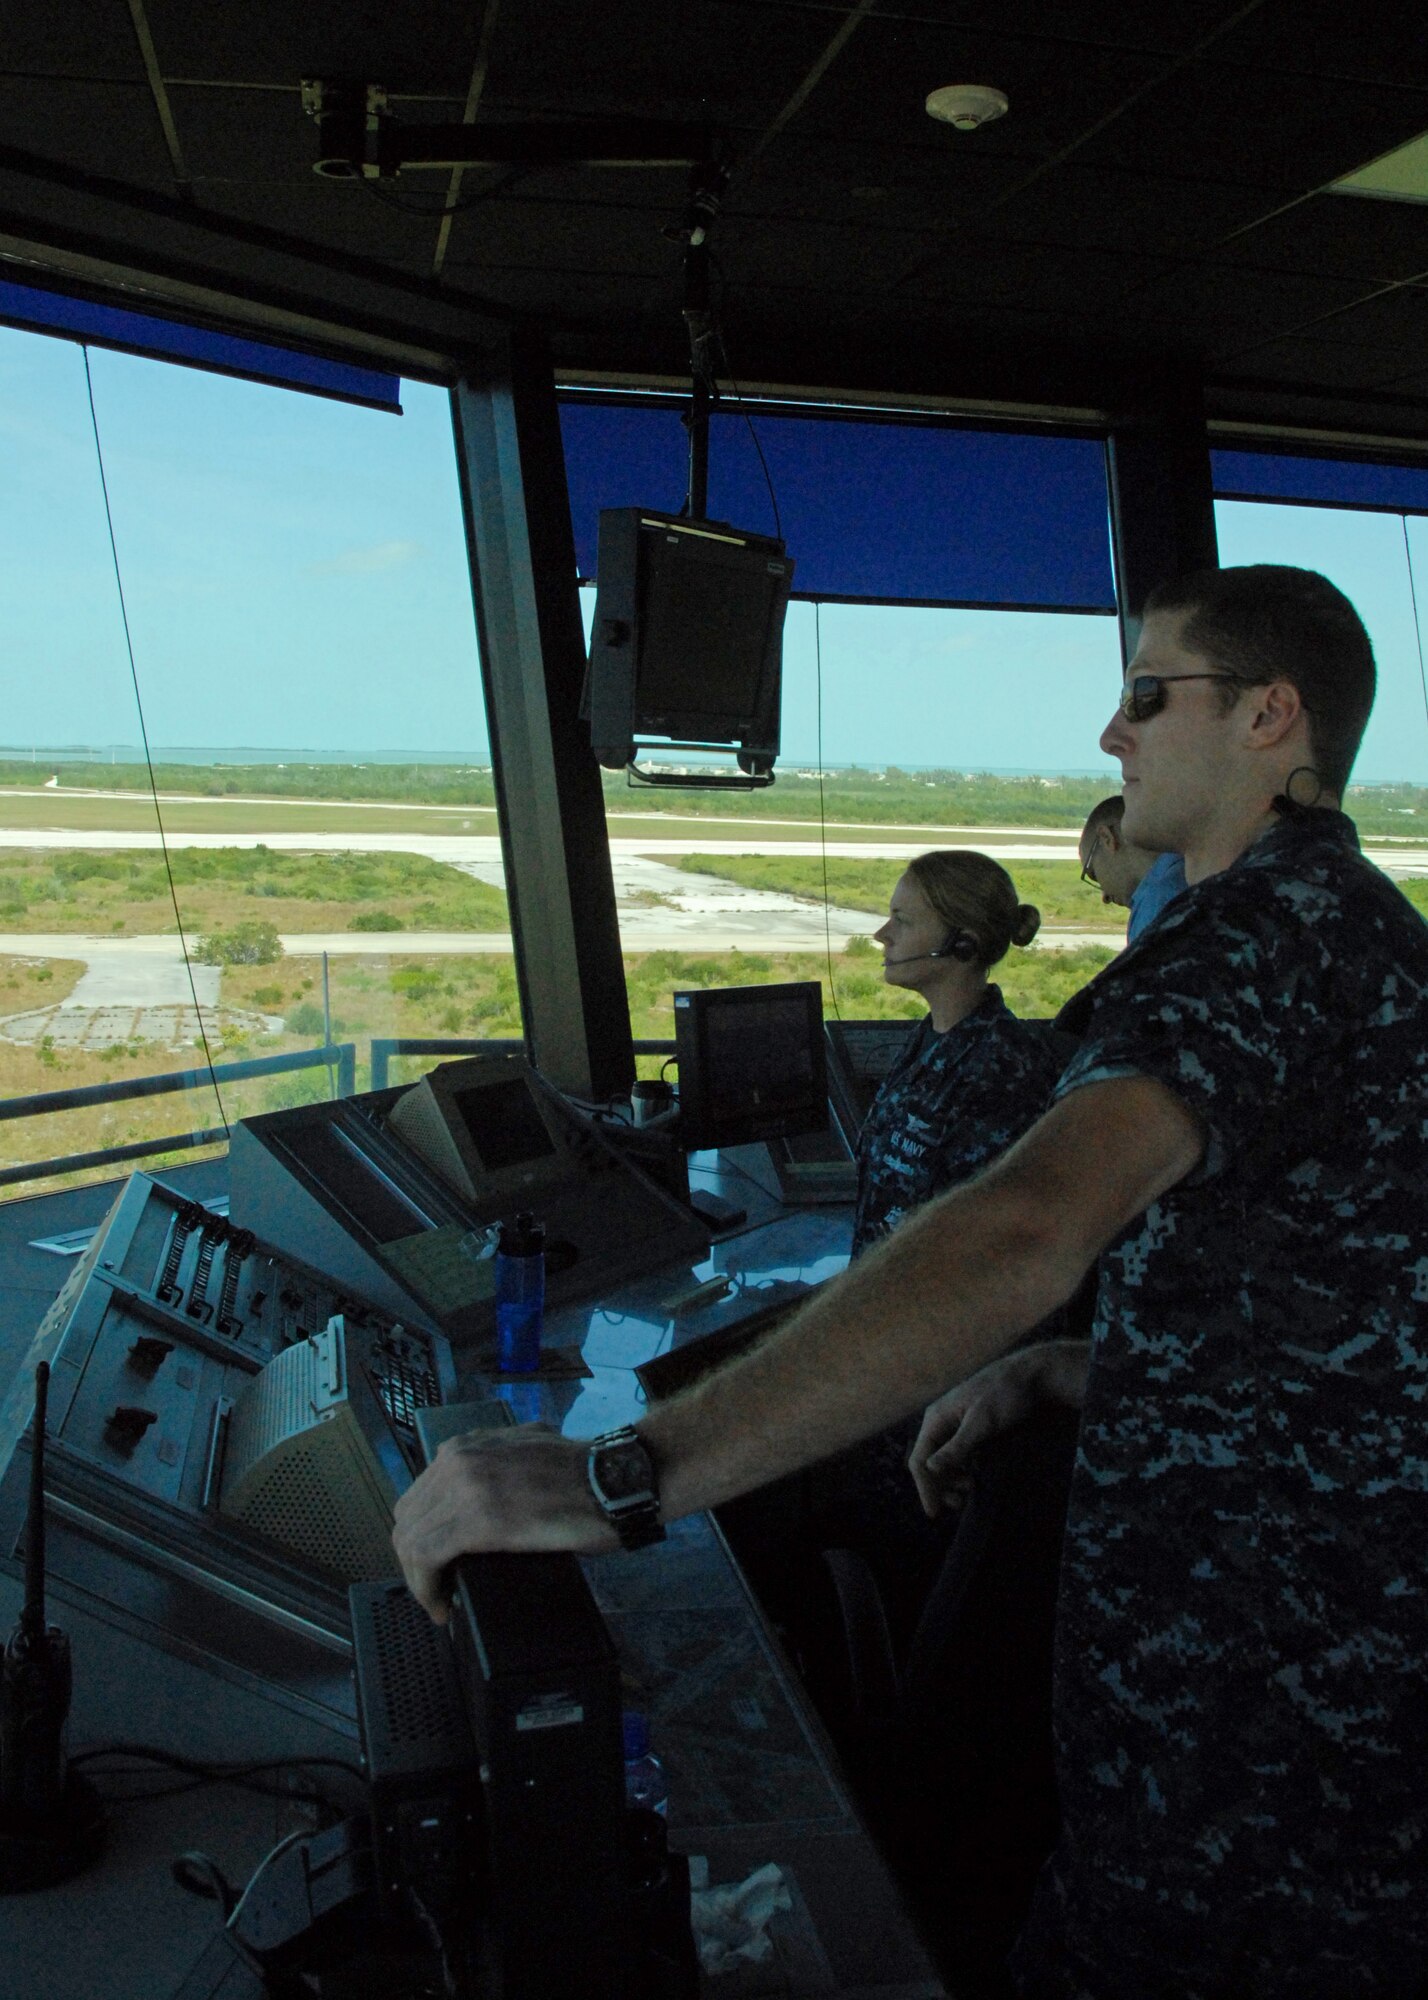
[{"x": 912, "y": 932}]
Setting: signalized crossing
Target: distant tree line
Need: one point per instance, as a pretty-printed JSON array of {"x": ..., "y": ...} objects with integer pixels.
[{"x": 891, "y": 796}]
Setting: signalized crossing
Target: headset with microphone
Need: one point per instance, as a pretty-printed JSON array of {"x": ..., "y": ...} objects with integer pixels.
[{"x": 957, "y": 944}]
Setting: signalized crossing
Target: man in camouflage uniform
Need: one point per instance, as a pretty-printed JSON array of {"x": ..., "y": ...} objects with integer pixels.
[{"x": 1242, "y": 1681}]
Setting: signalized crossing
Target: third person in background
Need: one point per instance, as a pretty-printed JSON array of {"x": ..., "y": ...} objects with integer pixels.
[{"x": 1135, "y": 878}]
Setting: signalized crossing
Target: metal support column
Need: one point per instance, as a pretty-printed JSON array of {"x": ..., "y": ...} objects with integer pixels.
[
  {"x": 553, "y": 837},
  {"x": 1161, "y": 493}
]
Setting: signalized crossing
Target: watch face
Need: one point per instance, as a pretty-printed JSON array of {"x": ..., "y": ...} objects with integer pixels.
[{"x": 623, "y": 1471}]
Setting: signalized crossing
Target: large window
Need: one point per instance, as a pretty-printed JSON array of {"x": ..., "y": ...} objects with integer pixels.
[
  {"x": 304, "y": 669},
  {"x": 940, "y": 710}
]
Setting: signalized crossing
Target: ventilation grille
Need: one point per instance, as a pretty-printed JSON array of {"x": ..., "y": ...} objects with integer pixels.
[
  {"x": 413, "y": 1670},
  {"x": 306, "y": 1498},
  {"x": 403, "y": 1386}
]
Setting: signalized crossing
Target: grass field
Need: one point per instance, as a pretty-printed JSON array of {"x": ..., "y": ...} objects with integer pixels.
[
  {"x": 1055, "y": 887},
  {"x": 422, "y": 995},
  {"x": 57, "y": 811},
  {"x": 93, "y": 890},
  {"x": 436, "y": 798}
]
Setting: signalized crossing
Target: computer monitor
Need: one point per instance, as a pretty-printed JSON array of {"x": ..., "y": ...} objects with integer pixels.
[
  {"x": 687, "y": 642},
  {"x": 752, "y": 1063},
  {"x": 487, "y": 1128},
  {"x": 860, "y": 1055}
]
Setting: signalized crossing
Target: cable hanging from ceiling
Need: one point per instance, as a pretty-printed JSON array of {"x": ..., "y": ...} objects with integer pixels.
[{"x": 144, "y": 739}]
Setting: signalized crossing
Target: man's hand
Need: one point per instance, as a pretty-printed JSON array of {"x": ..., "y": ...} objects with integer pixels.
[
  {"x": 517, "y": 1489},
  {"x": 996, "y": 1397}
]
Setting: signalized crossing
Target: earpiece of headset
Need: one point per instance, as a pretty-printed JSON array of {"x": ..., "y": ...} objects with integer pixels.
[{"x": 957, "y": 944}]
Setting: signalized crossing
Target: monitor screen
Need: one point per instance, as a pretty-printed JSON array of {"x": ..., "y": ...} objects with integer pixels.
[
  {"x": 860, "y": 1055},
  {"x": 705, "y": 611},
  {"x": 687, "y": 639},
  {"x": 503, "y": 1123},
  {"x": 751, "y": 1063}
]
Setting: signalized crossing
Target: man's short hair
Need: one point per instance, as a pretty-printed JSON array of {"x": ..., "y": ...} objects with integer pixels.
[
  {"x": 1268, "y": 622},
  {"x": 1110, "y": 812}
]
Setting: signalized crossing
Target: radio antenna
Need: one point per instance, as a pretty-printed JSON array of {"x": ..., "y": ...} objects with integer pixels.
[{"x": 32, "y": 1618}]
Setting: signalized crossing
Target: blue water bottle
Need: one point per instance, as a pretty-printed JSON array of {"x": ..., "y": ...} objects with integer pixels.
[
  {"x": 645, "y": 1782},
  {"x": 520, "y": 1295}
]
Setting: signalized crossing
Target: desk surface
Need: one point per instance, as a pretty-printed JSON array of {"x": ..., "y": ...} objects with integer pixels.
[{"x": 751, "y": 1776}]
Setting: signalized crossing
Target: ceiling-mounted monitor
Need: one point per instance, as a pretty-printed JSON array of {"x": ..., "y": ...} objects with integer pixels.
[{"x": 686, "y": 652}]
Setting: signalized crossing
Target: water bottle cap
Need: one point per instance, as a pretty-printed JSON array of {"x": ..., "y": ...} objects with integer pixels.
[
  {"x": 525, "y": 1237},
  {"x": 635, "y": 1729}
]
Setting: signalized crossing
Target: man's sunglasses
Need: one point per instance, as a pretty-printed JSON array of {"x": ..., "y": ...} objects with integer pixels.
[
  {"x": 1144, "y": 695},
  {"x": 1088, "y": 866}
]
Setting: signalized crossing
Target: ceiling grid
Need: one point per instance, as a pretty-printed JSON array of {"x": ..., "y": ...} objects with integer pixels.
[{"x": 1158, "y": 195}]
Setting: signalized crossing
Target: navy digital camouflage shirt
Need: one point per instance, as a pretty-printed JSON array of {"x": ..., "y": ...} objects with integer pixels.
[
  {"x": 1242, "y": 1643},
  {"x": 950, "y": 1104}
]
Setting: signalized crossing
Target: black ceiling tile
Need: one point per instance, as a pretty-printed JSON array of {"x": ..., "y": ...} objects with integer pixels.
[
  {"x": 1397, "y": 318},
  {"x": 878, "y": 88},
  {"x": 1214, "y": 294},
  {"x": 256, "y": 136},
  {"x": 342, "y": 216},
  {"x": 1111, "y": 210},
  {"x": 879, "y": 186},
  {"x": 1410, "y": 385},
  {"x": 83, "y": 38},
  {"x": 407, "y": 45},
  {"x": 1213, "y": 121},
  {"x": 1171, "y": 27},
  {"x": 1339, "y": 236},
  {"x": 1382, "y": 43},
  {"x": 698, "y": 61},
  {"x": 600, "y": 298},
  {"x": 103, "y": 128},
  {"x": 820, "y": 256},
  {"x": 626, "y": 242},
  {"x": 1309, "y": 360},
  {"x": 1027, "y": 276}
]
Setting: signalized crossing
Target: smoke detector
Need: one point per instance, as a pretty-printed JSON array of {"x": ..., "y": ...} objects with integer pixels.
[{"x": 966, "y": 105}]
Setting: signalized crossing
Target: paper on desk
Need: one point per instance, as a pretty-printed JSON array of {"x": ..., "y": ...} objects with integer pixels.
[{"x": 731, "y": 1921}]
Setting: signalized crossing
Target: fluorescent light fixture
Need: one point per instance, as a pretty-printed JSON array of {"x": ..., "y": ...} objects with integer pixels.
[{"x": 1401, "y": 175}]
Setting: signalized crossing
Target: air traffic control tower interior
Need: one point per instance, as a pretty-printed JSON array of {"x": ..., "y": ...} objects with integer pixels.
[{"x": 1186, "y": 246}]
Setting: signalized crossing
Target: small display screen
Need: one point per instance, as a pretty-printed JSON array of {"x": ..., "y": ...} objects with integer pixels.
[
  {"x": 503, "y": 1123},
  {"x": 705, "y": 616},
  {"x": 751, "y": 1063},
  {"x": 757, "y": 1056}
]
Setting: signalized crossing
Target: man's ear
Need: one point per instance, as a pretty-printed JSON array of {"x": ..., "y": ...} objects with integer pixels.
[
  {"x": 1113, "y": 835},
  {"x": 1272, "y": 712}
]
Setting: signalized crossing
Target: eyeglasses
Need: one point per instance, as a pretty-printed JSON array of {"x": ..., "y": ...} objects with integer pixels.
[
  {"x": 1144, "y": 696},
  {"x": 1088, "y": 866}
]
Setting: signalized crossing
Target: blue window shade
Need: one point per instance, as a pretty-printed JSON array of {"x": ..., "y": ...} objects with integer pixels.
[
  {"x": 1320, "y": 482},
  {"x": 198, "y": 347},
  {"x": 880, "y": 513}
]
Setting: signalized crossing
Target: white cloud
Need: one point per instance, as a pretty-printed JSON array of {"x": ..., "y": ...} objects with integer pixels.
[{"x": 367, "y": 562}]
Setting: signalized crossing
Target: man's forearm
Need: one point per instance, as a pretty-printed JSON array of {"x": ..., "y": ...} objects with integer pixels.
[{"x": 951, "y": 1290}]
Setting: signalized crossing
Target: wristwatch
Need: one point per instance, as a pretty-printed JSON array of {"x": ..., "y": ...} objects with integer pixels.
[{"x": 622, "y": 1478}]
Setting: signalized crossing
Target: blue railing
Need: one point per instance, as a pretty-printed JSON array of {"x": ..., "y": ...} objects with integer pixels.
[
  {"x": 384, "y": 1047},
  {"x": 341, "y": 1056}
]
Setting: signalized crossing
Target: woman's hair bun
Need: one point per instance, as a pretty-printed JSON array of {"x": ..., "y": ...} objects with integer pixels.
[{"x": 1028, "y": 923}]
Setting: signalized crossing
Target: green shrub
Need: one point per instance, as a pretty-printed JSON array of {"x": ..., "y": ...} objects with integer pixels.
[
  {"x": 375, "y": 920},
  {"x": 250, "y": 943},
  {"x": 305, "y": 1019},
  {"x": 417, "y": 982},
  {"x": 267, "y": 996}
]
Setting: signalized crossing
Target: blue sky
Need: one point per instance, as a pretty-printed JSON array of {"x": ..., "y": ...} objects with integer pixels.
[{"x": 295, "y": 577}]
